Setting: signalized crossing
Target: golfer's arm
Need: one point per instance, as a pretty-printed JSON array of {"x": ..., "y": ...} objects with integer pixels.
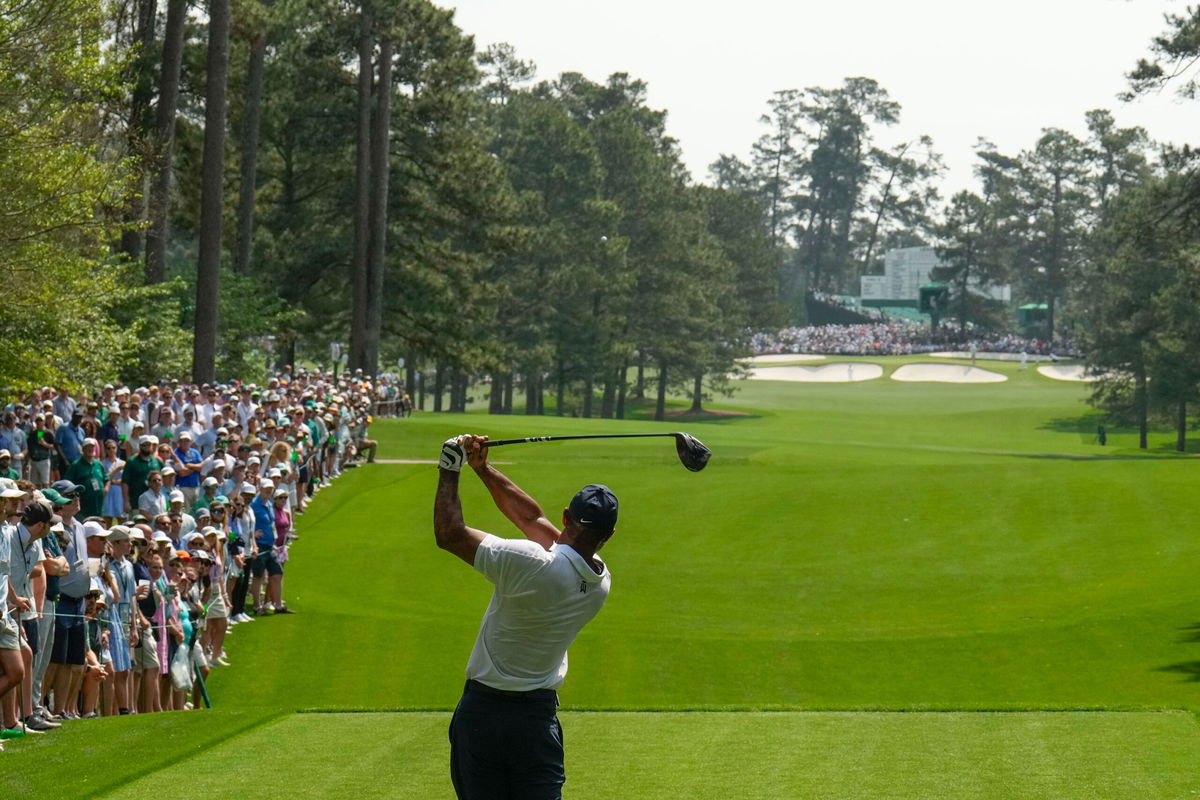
[
  {"x": 521, "y": 509},
  {"x": 451, "y": 533}
]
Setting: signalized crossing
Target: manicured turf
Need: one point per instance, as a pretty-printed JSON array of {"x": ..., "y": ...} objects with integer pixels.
[
  {"x": 725, "y": 756},
  {"x": 878, "y": 546}
]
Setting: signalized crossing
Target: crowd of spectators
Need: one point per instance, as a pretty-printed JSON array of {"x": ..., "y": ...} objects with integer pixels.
[
  {"x": 842, "y": 302},
  {"x": 141, "y": 525},
  {"x": 900, "y": 337}
]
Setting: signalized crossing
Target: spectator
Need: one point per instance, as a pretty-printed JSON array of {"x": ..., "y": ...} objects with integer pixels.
[
  {"x": 151, "y": 502},
  {"x": 92, "y": 478},
  {"x": 17, "y": 443},
  {"x": 69, "y": 439},
  {"x": 138, "y": 469},
  {"x": 114, "y": 496},
  {"x": 43, "y": 451},
  {"x": 187, "y": 463}
]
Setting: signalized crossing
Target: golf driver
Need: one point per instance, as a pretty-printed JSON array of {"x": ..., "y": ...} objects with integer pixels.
[{"x": 692, "y": 452}]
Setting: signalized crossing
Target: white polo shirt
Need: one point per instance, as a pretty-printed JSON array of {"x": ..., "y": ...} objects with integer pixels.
[{"x": 541, "y": 602}]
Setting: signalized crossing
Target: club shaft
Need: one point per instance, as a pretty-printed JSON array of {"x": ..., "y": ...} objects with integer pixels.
[{"x": 499, "y": 442}]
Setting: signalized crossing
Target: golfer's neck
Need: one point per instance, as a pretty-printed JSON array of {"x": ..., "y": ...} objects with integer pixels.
[{"x": 587, "y": 552}]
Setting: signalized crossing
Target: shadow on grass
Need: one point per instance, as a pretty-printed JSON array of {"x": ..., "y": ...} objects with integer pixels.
[{"x": 1189, "y": 669}]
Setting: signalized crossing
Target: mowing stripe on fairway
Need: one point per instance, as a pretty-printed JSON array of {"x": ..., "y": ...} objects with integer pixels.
[{"x": 726, "y": 756}]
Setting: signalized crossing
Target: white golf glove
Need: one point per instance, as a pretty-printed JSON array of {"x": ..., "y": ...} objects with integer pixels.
[{"x": 453, "y": 455}]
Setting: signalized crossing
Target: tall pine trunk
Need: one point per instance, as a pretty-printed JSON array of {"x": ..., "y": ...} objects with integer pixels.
[
  {"x": 621, "y": 382},
  {"x": 1181, "y": 427},
  {"x": 163, "y": 154},
  {"x": 141, "y": 123},
  {"x": 496, "y": 396},
  {"x": 660, "y": 405},
  {"x": 698, "y": 393},
  {"x": 208, "y": 269},
  {"x": 381, "y": 127},
  {"x": 562, "y": 388},
  {"x": 439, "y": 386},
  {"x": 1141, "y": 400},
  {"x": 589, "y": 389},
  {"x": 251, "y": 123},
  {"x": 362, "y": 197},
  {"x": 508, "y": 393},
  {"x": 610, "y": 395}
]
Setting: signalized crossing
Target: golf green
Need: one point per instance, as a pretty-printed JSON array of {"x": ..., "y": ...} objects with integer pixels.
[{"x": 871, "y": 547}]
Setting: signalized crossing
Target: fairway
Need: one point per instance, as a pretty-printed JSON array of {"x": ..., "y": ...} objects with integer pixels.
[
  {"x": 875, "y": 589},
  {"x": 728, "y": 756}
]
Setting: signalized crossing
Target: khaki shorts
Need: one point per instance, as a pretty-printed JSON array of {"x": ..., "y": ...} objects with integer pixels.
[
  {"x": 10, "y": 636},
  {"x": 145, "y": 655}
]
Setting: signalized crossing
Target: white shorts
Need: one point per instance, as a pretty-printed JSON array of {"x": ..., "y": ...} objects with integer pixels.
[{"x": 10, "y": 633}]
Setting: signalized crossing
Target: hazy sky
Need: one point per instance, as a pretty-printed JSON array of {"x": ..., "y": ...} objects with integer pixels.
[{"x": 959, "y": 68}]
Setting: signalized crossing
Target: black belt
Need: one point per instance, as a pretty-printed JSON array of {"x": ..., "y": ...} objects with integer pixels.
[{"x": 533, "y": 695}]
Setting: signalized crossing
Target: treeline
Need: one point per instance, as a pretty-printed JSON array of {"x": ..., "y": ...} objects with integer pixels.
[{"x": 207, "y": 189}]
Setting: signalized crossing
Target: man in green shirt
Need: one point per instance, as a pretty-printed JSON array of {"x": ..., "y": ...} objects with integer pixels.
[
  {"x": 89, "y": 473},
  {"x": 137, "y": 470},
  {"x": 6, "y": 470}
]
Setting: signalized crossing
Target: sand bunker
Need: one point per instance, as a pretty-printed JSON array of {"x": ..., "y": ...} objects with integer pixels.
[
  {"x": 946, "y": 373},
  {"x": 841, "y": 372},
  {"x": 784, "y": 358},
  {"x": 1065, "y": 372}
]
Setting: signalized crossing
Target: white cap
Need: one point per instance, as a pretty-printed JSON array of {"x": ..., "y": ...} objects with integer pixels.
[
  {"x": 211, "y": 481},
  {"x": 253, "y": 460},
  {"x": 149, "y": 438},
  {"x": 248, "y": 488},
  {"x": 8, "y": 488},
  {"x": 191, "y": 537},
  {"x": 281, "y": 492},
  {"x": 168, "y": 470},
  {"x": 159, "y": 536},
  {"x": 177, "y": 496},
  {"x": 94, "y": 530},
  {"x": 266, "y": 484}
]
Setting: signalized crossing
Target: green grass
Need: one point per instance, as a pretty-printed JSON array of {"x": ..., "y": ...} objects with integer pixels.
[
  {"x": 725, "y": 756},
  {"x": 878, "y": 546}
]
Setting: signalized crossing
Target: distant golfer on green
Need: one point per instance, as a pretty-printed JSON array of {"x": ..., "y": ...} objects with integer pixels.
[{"x": 505, "y": 739}]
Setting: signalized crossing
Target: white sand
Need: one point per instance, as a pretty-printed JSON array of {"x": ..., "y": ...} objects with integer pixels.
[
  {"x": 839, "y": 372},
  {"x": 946, "y": 373},
  {"x": 1065, "y": 372},
  {"x": 783, "y": 358}
]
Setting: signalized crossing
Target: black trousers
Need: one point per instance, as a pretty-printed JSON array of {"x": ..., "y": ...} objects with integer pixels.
[{"x": 506, "y": 745}]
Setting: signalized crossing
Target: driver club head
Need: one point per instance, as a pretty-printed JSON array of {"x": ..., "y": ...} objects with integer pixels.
[{"x": 692, "y": 452}]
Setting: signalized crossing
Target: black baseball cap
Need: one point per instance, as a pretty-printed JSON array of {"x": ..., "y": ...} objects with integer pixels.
[
  {"x": 594, "y": 506},
  {"x": 37, "y": 512}
]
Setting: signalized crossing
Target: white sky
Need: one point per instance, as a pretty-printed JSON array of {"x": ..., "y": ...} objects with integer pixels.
[{"x": 959, "y": 68}]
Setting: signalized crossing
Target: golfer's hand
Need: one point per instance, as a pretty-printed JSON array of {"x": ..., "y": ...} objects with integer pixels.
[
  {"x": 476, "y": 453},
  {"x": 453, "y": 454}
]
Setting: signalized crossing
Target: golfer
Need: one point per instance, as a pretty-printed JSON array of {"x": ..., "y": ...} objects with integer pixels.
[{"x": 505, "y": 740}]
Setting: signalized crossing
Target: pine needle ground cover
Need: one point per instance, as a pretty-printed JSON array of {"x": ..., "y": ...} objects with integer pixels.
[{"x": 879, "y": 589}]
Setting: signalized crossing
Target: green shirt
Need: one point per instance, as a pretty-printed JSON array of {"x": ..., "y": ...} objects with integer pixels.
[
  {"x": 93, "y": 479},
  {"x": 11, "y": 474},
  {"x": 137, "y": 470}
]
